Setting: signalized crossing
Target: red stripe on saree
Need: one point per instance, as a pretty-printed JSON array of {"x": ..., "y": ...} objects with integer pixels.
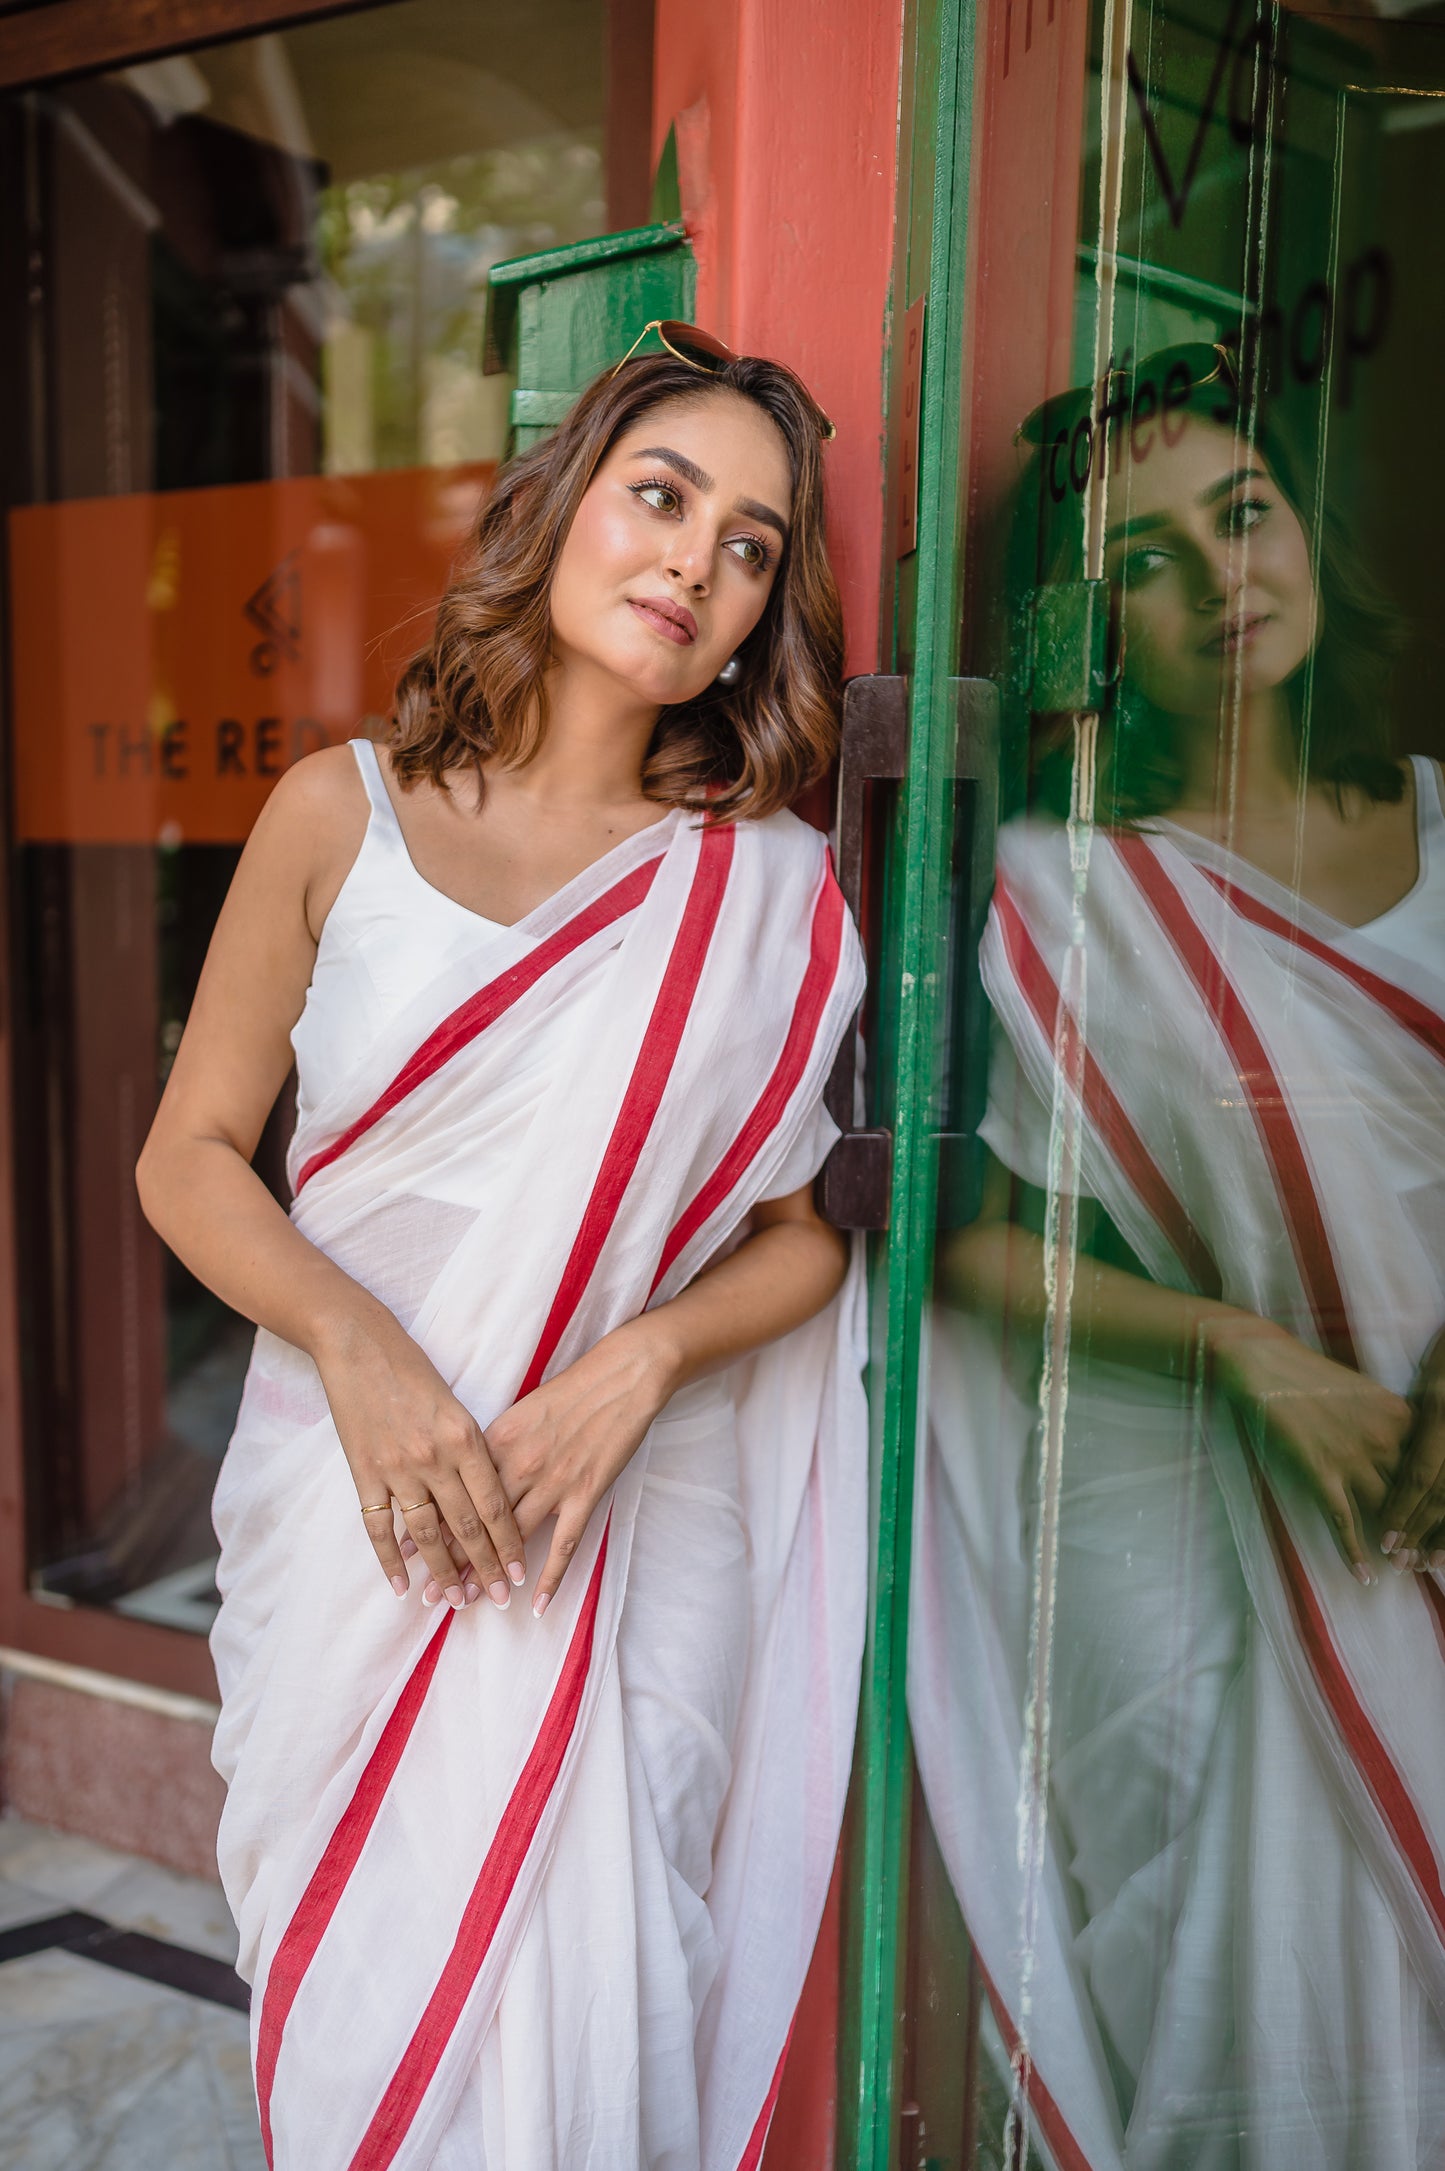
[
  {"x": 329, "y": 1879},
  {"x": 490, "y": 1894},
  {"x": 1102, "y": 1105},
  {"x": 487, "y": 1005},
  {"x": 816, "y": 986},
  {"x": 1388, "y": 1790},
  {"x": 645, "y": 1089},
  {"x": 1416, "y": 1017},
  {"x": 752, "y": 2155},
  {"x": 1045, "y": 2111},
  {"x": 1282, "y": 1145}
]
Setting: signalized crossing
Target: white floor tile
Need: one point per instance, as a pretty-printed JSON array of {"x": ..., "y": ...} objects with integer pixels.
[
  {"x": 73, "y": 1871},
  {"x": 100, "y": 2070},
  {"x": 22, "y": 1903},
  {"x": 136, "y": 1895},
  {"x": 183, "y": 1910}
]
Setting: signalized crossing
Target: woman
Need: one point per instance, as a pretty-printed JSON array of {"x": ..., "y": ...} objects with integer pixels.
[
  {"x": 542, "y": 1523},
  {"x": 1183, "y": 1742}
]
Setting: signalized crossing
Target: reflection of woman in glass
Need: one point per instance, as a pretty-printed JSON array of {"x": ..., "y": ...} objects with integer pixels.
[
  {"x": 1212, "y": 1257},
  {"x": 540, "y": 1629}
]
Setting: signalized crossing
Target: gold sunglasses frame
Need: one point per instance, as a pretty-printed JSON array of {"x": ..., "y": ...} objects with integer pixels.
[
  {"x": 1226, "y": 366},
  {"x": 721, "y": 355}
]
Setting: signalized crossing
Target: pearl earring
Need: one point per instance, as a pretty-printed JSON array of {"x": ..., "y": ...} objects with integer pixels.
[{"x": 731, "y": 671}]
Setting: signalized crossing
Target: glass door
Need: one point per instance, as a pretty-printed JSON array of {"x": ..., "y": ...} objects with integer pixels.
[{"x": 1173, "y": 1833}]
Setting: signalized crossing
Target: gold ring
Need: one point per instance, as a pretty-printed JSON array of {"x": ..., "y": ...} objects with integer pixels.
[
  {"x": 427, "y": 1503},
  {"x": 377, "y": 1509}
]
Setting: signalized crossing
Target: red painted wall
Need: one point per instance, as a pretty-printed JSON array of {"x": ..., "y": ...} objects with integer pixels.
[
  {"x": 786, "y": 121},
  {"x": 787, "y": 124}
]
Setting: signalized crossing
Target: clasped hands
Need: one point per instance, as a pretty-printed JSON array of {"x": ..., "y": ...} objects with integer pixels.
[
  {"x": 1374, "y": 1460},
  {"x": 469, "y": 1499}
]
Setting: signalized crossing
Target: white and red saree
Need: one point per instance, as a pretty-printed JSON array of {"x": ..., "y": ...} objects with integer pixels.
[
  {"x": 540, "y": 1896},
  {"x": 1187, "y": 1774}
]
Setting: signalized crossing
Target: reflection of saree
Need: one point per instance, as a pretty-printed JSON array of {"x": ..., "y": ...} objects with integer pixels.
[
  {"x": 540, "y": 1895},
  {"x": 1189, "y": 1776}
]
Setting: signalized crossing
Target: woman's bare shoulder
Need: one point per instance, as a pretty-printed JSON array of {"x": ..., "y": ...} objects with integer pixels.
[
  {"x": 311, "y": 827},
  {"x": 323, "y": 787}
]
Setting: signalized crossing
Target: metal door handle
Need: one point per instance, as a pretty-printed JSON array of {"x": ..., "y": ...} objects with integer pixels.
[
  {"x": 857, "y": 1175},
  {"x": 856, "y": 1180}
]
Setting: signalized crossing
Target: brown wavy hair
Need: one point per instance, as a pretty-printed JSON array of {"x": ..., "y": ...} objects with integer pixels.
[{"x": 477, "y": 692}]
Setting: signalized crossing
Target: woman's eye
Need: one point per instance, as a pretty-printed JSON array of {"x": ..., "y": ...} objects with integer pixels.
[
  {"x": 659, "y": 495},
  {"x": 1244, "y": 515},
  {"x": 1139, "y": 565},
  {"x": 753, "y": 553}
]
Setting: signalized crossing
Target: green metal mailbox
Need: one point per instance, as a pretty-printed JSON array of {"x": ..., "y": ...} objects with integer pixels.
[{"x": 555, "y": 319}]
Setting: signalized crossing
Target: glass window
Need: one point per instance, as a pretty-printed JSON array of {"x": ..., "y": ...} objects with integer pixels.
[
  {"x": 256, "y": 425},
  {"x": 1179, "y": 1721}
]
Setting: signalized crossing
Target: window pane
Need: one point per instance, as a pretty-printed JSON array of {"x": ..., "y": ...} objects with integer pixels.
[
  {"x": 1179, "y": 1724},
  {"x": 257, "y": 426}
]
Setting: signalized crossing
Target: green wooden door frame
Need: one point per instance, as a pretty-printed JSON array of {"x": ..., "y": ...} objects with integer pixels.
[{"x": 933, "y": 167}]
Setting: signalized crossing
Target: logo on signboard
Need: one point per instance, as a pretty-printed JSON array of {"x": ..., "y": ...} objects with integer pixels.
[{"x": 275, "y": 611}]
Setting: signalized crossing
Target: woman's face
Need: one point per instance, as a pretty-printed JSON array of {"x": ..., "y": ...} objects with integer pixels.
[
  {"x": 1213, "y": 570},
  {"x": 675, "y": 547}
]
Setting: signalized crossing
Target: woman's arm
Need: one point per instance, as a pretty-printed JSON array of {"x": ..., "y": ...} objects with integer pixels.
[
  {"x": 996, "y": 1268},
  {"x": 1341, "y": 1431},
  {"x": 561, "y": 1447},
  {"x": 402, "y": 1430}
]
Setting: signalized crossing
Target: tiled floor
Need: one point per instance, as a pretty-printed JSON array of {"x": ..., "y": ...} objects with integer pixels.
[{"x": 99, "y": 2069}]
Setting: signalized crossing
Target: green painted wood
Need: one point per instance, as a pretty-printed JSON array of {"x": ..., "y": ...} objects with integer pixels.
[
  {"x": 557, "y": 317},
  {"x": 666, "y": 186},
  {"x": 934, "y": 158}
]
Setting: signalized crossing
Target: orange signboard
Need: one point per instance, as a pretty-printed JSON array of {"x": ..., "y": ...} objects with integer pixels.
[{"x": 173, "y": 653}]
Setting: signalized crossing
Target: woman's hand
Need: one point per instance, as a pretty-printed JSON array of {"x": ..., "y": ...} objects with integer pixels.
[
  {"x": 1414, "y": 1511},
  {"x": 1342, "y": 1432},
  {"x": 560, "y": 1448},
  {"x": 408, "y": 1439}
]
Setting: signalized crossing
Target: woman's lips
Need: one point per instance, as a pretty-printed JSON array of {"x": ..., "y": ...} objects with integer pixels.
[
  {"x": 1237, "y": 635},
  {"x": 671, "y": 620}
]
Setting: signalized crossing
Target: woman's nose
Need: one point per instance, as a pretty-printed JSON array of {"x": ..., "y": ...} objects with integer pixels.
[
  {"x": 691, "y": 563},
  {"x": 1221, "y": 575}
]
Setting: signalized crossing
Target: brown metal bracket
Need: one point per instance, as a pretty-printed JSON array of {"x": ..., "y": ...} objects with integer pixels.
[
  {"x": 856, "y": 1181},
  {"x": 858, "y": 1173}
]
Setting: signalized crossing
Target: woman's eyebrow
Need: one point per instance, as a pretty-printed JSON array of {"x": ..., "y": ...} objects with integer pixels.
[
  {"x": 1206, "y": 498},
  {"x": 1139, "y": 525},
  {"x": 701, "y": 480},
  {"x": 1226, "y": 483},
  {"x": 688, "y": 469},
  {"x": 765, "y": 513}
]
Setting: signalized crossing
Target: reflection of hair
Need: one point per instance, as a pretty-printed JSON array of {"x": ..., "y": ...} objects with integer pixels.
[
  {"x": 1345, "y": 738},
  {"x": 477, "y": 692}
]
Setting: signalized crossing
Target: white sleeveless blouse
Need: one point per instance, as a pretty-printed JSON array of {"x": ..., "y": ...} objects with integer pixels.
[
  {"x": 382, "y": 939},
  {"x": 1017, "y": 1126},
  {"x": 1414, "y": 929}
]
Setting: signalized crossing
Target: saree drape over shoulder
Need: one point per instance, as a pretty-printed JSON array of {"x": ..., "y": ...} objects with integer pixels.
[
  {"x": 532, "y": 1895},
  {"x": 1188, "y": 1775}
]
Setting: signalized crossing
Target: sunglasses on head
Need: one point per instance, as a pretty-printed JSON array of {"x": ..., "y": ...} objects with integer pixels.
[
  {"x": 701, "y": 351},
  {"x": 1174, "y": 373}
]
